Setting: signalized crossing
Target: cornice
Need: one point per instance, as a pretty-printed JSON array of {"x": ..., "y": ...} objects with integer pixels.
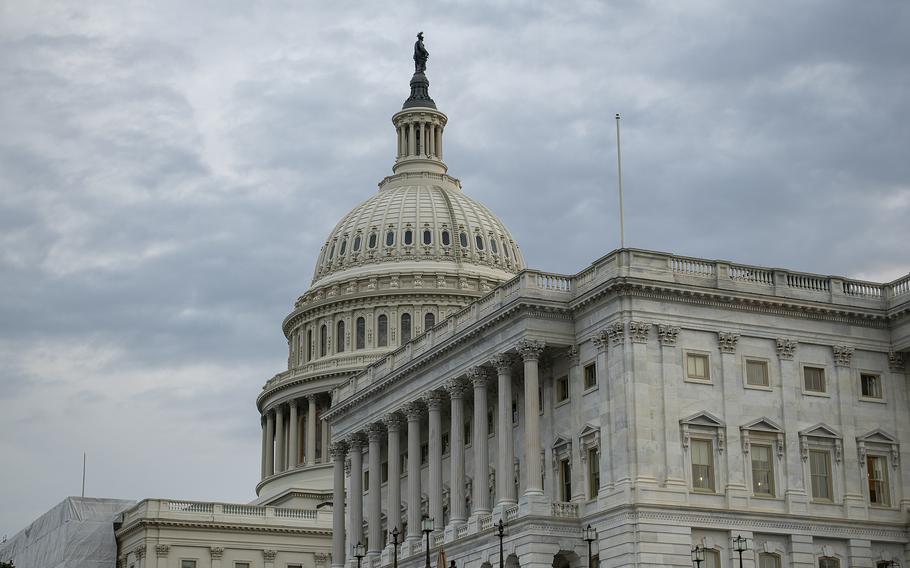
[{"x": 217, "y": 526}]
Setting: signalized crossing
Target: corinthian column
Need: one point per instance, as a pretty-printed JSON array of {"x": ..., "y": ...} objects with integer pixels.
[
  {"x": 530, "y": 350},
  {"x": 456, "y": 390},
  {"x": 339, "y": 451},
  {"x": 356, "y": 443},
  {"x": 311, "y": 431},
  {"x": 481, "y": 499},
  {"x": 434, "y": 401},
  {"x": 375, "y": 434},
  {"x": 265, "y": 441},
  {"x": 393, "y": 425},
  {"x": 413, "y": 411},
  {"x": 270, "y": 443},
  {"x": 505, "y": 488},
  {"x": 280, "y": 444},
  {"x": 294, "y": 430}
]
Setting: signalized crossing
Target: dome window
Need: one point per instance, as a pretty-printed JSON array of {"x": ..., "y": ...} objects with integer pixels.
[
  {"x": 462, "y": 238},
  {"x": 339, "y": 337},
  {"x": 390, "y": 238},
  {"x": 505, "y": 249},
  {"x": 446, "y": 239},
  {"x": 429, "y": 320},
  {"x": 427, "y": 236},
  {"x": 356, "y": 246},
  {"x": 323, "y": 340},
  {"x": 372, "y": 242},
  {"x": 332, "y": 251},
  {"x": 382, "y": 330},
  {"x": 479, "y": 241},
  {"x": 409, "y": 237},
  {"x": 361, "y": 333},
  {"x": 493, "y": 247},
  {"x": 344, "y": 246},
  {"x": 405, "y": 328}
]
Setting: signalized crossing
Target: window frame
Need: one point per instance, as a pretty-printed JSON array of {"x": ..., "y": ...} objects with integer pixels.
[
  {"x": 885, "y": 459},
  {"x": 712, "y": 447},
  {"x": 828, "y": 562},
  {"x": 778, "y": 561},
  {"x": 565, "y": 479},
  {"x": 405, "y": 320},
  {"x": 195, "y": 562},
  {"x": 861, "y": 374},
  {"x": 360, "y": 330},
  {"x": 829, "y": 461},
  {"x": 562, "y": 383},
  {"x": 592, "y": 455},
  {"x": 708, "y": 378},
  {"x": 382, "y": 333},
  {"x": 768, "y": 445},
  {"x": 747, "y": 359},
  {"x": 802, "y": 379},
  {"x": 584, "y": 375}
]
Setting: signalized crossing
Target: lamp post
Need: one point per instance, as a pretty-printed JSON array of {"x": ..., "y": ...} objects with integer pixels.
[
  {"x": 890, "y": 564},
  {"x": 740, "y": 545},
  {"x": 427, "y": 526},
  {"x": 359, "y": 552},
  {"x": 501, "y": 532},
  {"x": 698, "y": 555},
  {"x": 589, "y": 535},
  {"x": 395, "y": 544}
]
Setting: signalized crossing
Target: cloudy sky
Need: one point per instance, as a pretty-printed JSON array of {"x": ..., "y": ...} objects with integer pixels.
[{"x": 168, "y": 170}]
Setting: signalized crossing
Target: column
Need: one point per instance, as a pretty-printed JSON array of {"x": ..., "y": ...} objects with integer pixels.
[
  {"x": 339, "y": 451},
  {"x": 456, "y": 452},
  {"x": 423, "y": 139},
  {"x": 505, "y": 488},
  {"x": 310, "y": 447},
  {"x": 375, "y": 434},
  {"x": 480, "y": 379},
  {"x": 439, "y": 144},
  {"x": 265, "y": 443},
  {"x": 270, "y": 443},
  {"x": 280, "y": 443},
  {"x": 393, "y": 426},
  {"x": 432, "y": 140},
  {"x": 325, "y": 438},
  {"x": 530, "y": 350},
  {"x": 412, "y": 139},
  {"x": 356, "y": 444},
  {"x": 434, "y": 401},
  {"x": 413, "y": 411},
  {"x": 400, "y": 142},
  {"x": 294, "y": 450}
]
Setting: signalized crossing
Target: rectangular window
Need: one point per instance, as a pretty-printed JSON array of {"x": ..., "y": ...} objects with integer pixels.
[
  {"x": 702, "y": 465},
  {"x": 871, "y": 385},
  {"x": 593, "y": 472},
  {"x": 820, "y": 472},
  {"x": 762, "y": 472},
  {"x": 712, "y": 559},
  {"x": 187, "y": 564},
  {"x": 766, "y": 560},
  {"x": 827, "y": 562},
  {"x": 697, "y": 367},
  {"x": 562, "y": 389},
  {"x": 565, "y": 480},
  {"x": 877, "y": 469},
  {"x": 590, "y": 376},
  {"x": 241, "y": 565},
  {"x": 295, "y": 566},
  {"x": 424, "y": 454},
  {"x": 813, "y": 379},
  {"x": 757, "y": 373}
]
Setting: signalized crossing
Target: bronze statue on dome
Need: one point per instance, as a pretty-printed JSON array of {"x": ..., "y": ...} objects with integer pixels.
[{"x": 420, "y": 55}]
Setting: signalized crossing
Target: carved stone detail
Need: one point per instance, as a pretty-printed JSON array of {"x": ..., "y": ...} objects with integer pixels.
[
  {"x": 895, "y": 361},
  {"x": 139, "y": 551},
  {"x": 479, "y": 376},
  {"x": 501, "y": 362},
  {"x": 269, "y": 555},
  {"x": 843, "y": 355},
  {"x": 667, "y": 334},
  {"x": 601, "y": 340},
  {"x": 339, "y": 449},
  {"x": 786, "y": 348},
  {"x": 357, "y": 442},
  {"x": 217, "y": 552},
  {"x": 393, "y": 422},
  {"x": 572, "y": 354},
  {"x": 375, "y": 432},
  {"x": 162, "y": 550},
  {"x": 434, "y": 400},
  {"x": 322, "y": 559},
  {"x": 726, "y": 341},
  {"x": 413, "y": 410},
  {"x": 638, "y": 331},
  {"x": 530, "y": 349},
  {"x": 456, "y": 388},
  {"x": 616, "y": 331}
]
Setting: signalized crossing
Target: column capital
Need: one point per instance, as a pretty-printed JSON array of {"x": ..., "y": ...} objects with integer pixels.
[
  {"x": 572, "y": 354},
  {"x": 502, "y": 362},
  {"x": 413, "y": 410},
  {"x": 601, "y": 340},
  {"x": 530, "y": 349},
  {"x": 456, "y": 388},
  {"x": 139, "y": 551},
  {"x": 392, "y": 422},
  {"x": 616, "y": 331},
  {"x": 269, "y": 555},
  {"x": 434, "y": 400},
  {"x": 357, "y": 441},
  {"x": 726, "y": 341},
  {"x": 785, "y": 348},
  {"x": 339, "y": 449},
  {"x": 162, "y": 550},
  {"x": 843, "y": 355},
  {"x": 375, "y": 432},
  {"x": 479, "y": 376},
  {"x": 639, "y": 330},
  {"x": 217, "y": 552},
  {"x": 896, "y": 361},
  {"x": 667, "y": 334}
]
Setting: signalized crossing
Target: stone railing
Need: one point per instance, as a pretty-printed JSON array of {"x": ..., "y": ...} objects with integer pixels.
[
  {"x": 640, "y": 265},
  {"x": 234, "y": 513},
  {"x": 510, "y": 514},
  {"x": 564, "y": 510}
]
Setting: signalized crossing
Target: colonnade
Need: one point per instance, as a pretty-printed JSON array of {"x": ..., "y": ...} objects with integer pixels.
[
  {"x": 407, "y": 420},
  {"x": 289, "y": 435},
  {"x": 429, "y": 135}
]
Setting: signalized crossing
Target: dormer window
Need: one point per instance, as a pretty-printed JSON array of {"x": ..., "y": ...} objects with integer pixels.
[
  {"x": 409, "y": 237},
  {"x": 356, "y": 246},
  {"x": 478, "y": 240},
  {"x": 446, "y": 239},
  {"x": 427, "y": 236},
  {"x": 389, "y": 238}
]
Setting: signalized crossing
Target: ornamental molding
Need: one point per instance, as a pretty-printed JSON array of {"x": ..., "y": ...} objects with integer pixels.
[
  {"x": 375, "y": 432},
  {"x": 616, "y": 332},
  {"x": 843, "y": 355},
  {"x": 217, "y": 552},
  {"x": 530, "y": 349},
  {"x": 413, "y": 410},
  {"x": 162, "y": 550},
  {"x": 269, "y": 555},
  {"x": 878, "y": 439},
  {"x": 456, "y": 388},
  {"x": 502, "y": 363},
  {"x": 357, "y": 442},
  {"x": 220, "y": 526},
  {"x": 572, "y": 355},
  {"x": 726, "y": 341},
  {"x": 767, "y": 429},
  {"x": 896, "y": 361},
  {"x": 321, "y": 558},
  {"x": 667, "y": 334},
  {"x": 823, "y": 434},
  {"x": 139, "y": 551},
  {"x": 479, "y": 377},
  {"x": 393, "y": 422},
  {"x": 338, "y": 450},
  {"x": 638, "y": 331},
  {"x": 786, "y": 348},
  {"x": 601, "y": 340},
  {"x": 434, "y": 400}
]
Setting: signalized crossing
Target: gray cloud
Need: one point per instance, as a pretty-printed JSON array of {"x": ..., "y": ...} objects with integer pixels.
[{"x": 168, "y": 173}]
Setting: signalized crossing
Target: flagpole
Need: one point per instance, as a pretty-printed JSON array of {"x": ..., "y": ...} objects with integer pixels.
[
  {"x": 83, "y": 474},
  {"x": 622, "y": 223}
]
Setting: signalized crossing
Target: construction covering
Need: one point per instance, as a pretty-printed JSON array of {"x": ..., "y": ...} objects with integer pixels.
[{"x": 77, "y": 533}]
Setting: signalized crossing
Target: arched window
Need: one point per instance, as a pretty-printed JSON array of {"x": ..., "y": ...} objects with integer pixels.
[
  {"x": 766, "y": 560},
  {"x": 446, "y": 239},
  {"x": 339, "y": 337},
  {"x": 344, "y": 246},
  {"x": 332, "y": 251},
  {"x": 309, "y": 344},
  {"x": 478, "y": 240},
  {"x": 712, "y": 559},
  {"x": 463, "y": 239},
  {"x": 408, "y": 237},
  {"x": 427, "y": 236},
  {"x": 493, "y": 246},
  {"x": 389, "y": 238},
  {"x": 361, "y": 333},
  {"x": 356, "y": 243},
  {"x": 323, "y": 340},
  {"x": 405, "y": 328},
  {"x": 505, "y": 248},
  {"x": 382, "y": 331},
  {"x": 828, "y": 562},
  {"x": 429, "y": 320},
  {"x": 372, "y": 242}
]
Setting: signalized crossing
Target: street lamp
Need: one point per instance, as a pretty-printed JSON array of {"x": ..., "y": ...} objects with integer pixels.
[
  {"x": 589, "y": 535},
  {"x": 889, "y": 564},
  {"x": 427, "y": 526},
  {"x": 698, "y": 555},
  {"x": 740, "y": 545},
  {"x": 501, "y": 532},
  {"x": 395, "y": 544},
  {"x": 359, "y": 552}
]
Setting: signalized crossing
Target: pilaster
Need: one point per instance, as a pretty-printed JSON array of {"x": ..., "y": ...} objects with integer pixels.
[{"x": 795, "y": 493}]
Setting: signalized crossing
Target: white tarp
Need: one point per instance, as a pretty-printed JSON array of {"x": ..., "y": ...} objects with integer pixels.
[{"x": 77, "y": 533}]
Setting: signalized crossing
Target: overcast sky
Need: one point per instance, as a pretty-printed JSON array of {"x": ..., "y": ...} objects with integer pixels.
[{"x": 168, "y": 171}]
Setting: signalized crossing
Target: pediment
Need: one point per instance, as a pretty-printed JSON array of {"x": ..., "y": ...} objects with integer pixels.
[
  {"x": 763, "y": 424},
  {"x": 561, "y": 441},
  {"x": 588, "y": 430},
  {"x": 820, "y": 430},
  {"x": 703, "y": 418},
  {"x": 877, "y": 436}
]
